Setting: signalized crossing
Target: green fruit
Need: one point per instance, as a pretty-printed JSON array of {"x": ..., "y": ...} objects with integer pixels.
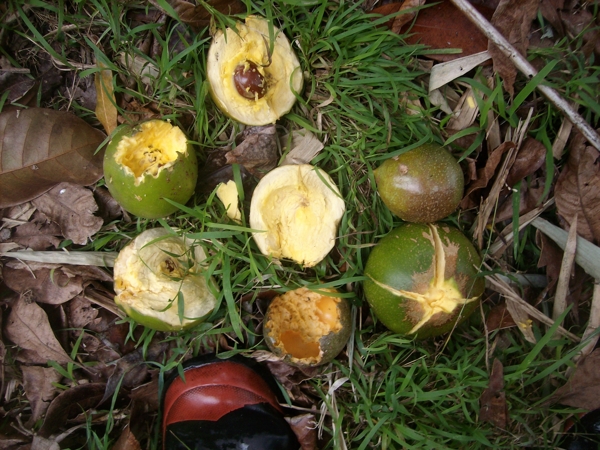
[
  {"x": 307, "y": 328},
  {"x": 145, "y": 164},
  {"x": 159, "y": 281},
  {"x": 422, "y": 185},
  {"x": 423, "y": 279}
]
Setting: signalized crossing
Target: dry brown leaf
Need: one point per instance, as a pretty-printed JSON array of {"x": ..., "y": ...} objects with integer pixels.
[
  {"x": 39, "y": 234},
  {"x": 443, "y": 26},
  {"x": 38, "y": 383},
  {"x": 513, "y": 19},
  {"x": 582, "y": 390},
  {"x": 197, "y": 16},
  {"x": 28, "y": 327},
  {"x": 70, "y": 403},
  {"x": 485, "y": 174},
  {"x": 304, "y": 427},
  {"x": 106, "y": 109},
  {"x": 499, "y": 318},
  {"x": 530, "y": 157},
  {"x": 72, "y": 207},
  {"x": 51, "y": 286},
  {"x": 43, "y": 147},
  {"x": 127, "y": 441},
  {"x": 493, "y": 408},
  {"x": 576, "y": 190},
  {"x": 258, "y": 152},
  {"x": 396, "y": 7}
]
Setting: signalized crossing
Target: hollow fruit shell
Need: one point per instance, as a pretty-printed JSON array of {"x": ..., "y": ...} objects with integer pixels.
[
  {"x": 143, "y": 194},
  {"x": 422, "y": 279},
  {"x": 307, "y": 328},
  {"x": 423, "y": 185},
  {"x": 280, "y": 69}
]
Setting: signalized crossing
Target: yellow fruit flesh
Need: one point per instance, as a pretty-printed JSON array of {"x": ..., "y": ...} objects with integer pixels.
[
  {"x": 442, "y": 296},
  {"x": 155, "y": 147},
  {"x": 298, "y": 320}
]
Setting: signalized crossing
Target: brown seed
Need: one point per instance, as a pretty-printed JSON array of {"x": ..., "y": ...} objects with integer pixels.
[{"x": 248, "y": 81}]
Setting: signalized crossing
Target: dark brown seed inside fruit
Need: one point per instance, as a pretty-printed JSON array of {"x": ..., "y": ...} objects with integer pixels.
[{"x": 248, "y": 81}]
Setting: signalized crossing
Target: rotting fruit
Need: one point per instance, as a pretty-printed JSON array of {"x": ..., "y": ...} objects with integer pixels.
[
  {"x": 422, "y": 279},
  {"x": 422, "y": 185},
  {"x": 148, "y": 163},
  {"x": 307, "y": 327},
  {"x": 252, "y": 79},
  {"x": 159, "y": 281},
  {"x": 295, "y": 212}
]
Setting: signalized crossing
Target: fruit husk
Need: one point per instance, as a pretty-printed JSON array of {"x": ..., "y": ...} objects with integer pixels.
[
  {"x": 423, "y": 185},
  {"x": 146, "y": 197},
  {"x": 315, "y": 333},
  {"x": 415, "y": 262},
  {"x": 280, "y": 68}
]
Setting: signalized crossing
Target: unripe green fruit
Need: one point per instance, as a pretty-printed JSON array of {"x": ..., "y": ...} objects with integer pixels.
[
  {"x": 145, "y": 164},
  {"x": 423, "y": 279},
  {"x": 422, "y": 185}
]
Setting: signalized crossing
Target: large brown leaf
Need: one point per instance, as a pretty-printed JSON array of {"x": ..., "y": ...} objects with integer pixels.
[{"x": 40, "y": 148}]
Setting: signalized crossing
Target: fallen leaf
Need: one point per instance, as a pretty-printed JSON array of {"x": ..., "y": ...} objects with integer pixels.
[
  {"x": 39, "y": 234},
  {"x": 582, "y": 390},
  {"x": 127, "y": 441},
  {"x": 304, "y": 427},
  {"x": 106, "y": 109},
  {"x": 257, "y": 152},
  {"x": 28, "y": 327},
  {"x": 530, "y": 157},
  {"x": 197, "y": 16},
  {"x": 499, "y": 318},
  {"x": 493, "y": 408},
  {"x": 72, "y": 207},
  {"x": 38, "y": 383},
  {"x": 442, "y": 26},
  {"x": 69, "y": 404},
  {"x": 51, "y": 286},
  {"x": 43, "y": 147},
  {"x": 397, "y": 7},
  {"x": 576, "y": 190},
  {"x": 512, "y": 19}
]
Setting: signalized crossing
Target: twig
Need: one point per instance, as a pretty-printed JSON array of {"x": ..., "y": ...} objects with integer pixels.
[
  {"x": 562, "y": 287},
  {"x": 527, "y": 69}
]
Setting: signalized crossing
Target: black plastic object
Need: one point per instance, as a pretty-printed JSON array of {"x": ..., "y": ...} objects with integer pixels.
[
  {"x": 223, "y": 404},
  {"x": 584, "y": 434}
]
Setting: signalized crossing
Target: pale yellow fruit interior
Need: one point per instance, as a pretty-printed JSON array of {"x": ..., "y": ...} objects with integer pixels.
[
  {"x": 298, "y": 212},
  {"x": 298, "y": 320},
  {"x": 155, "y": 147}
]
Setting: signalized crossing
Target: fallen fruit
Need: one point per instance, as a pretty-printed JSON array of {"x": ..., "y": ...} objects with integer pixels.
[
  {"x": 147, "y": 163},
  {"x": 253, "y": 80},
  {"x": 159, "y": 281},
  {"x": 422, "y": 185},
  {"x": 307, "y": 328},
  {"x": 296, "y": 210},
  {"x": 423, "y": 279}
]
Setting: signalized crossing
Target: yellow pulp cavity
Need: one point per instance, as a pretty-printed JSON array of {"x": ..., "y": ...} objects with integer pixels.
[
  {"x": 154, "y": 147},
  {"x": 297, "y": 321}
]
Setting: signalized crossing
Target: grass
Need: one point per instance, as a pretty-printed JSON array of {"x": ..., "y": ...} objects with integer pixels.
[{"x": 386, "y": 391}]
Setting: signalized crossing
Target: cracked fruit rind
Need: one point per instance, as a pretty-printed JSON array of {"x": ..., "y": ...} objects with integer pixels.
[
  {"x": 147, "y": 163},
  {"x": 307, "y": 328},
  {"x": 295, "y": 211},
  {"x": 157, "y": 271},
  {"x": 423, "y": 185},
  {"x": 422, "y": 279},
  {"x": 247, "y": 82}
]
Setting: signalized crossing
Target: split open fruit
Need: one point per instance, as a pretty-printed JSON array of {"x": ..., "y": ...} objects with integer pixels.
[
  {"x": 147, "y": 163},
  {"x": 295, "y": 211},
  {"x": 253, "y": 72},
  {"x": 422, "y": 185},
  {"x": 307, "y": 328},
  {"x": 159, "y": 281},
  {"x": 423, "y": 279}
]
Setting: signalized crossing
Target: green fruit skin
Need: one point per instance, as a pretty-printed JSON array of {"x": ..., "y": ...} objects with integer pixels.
[
  {"x": 157, "y": 324},
  {"x": 331, "y": 344},
  {"x": 404, "y": 253},
  {"x": 146, "y": 200},
  {"x": 423, "y": 185}
]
